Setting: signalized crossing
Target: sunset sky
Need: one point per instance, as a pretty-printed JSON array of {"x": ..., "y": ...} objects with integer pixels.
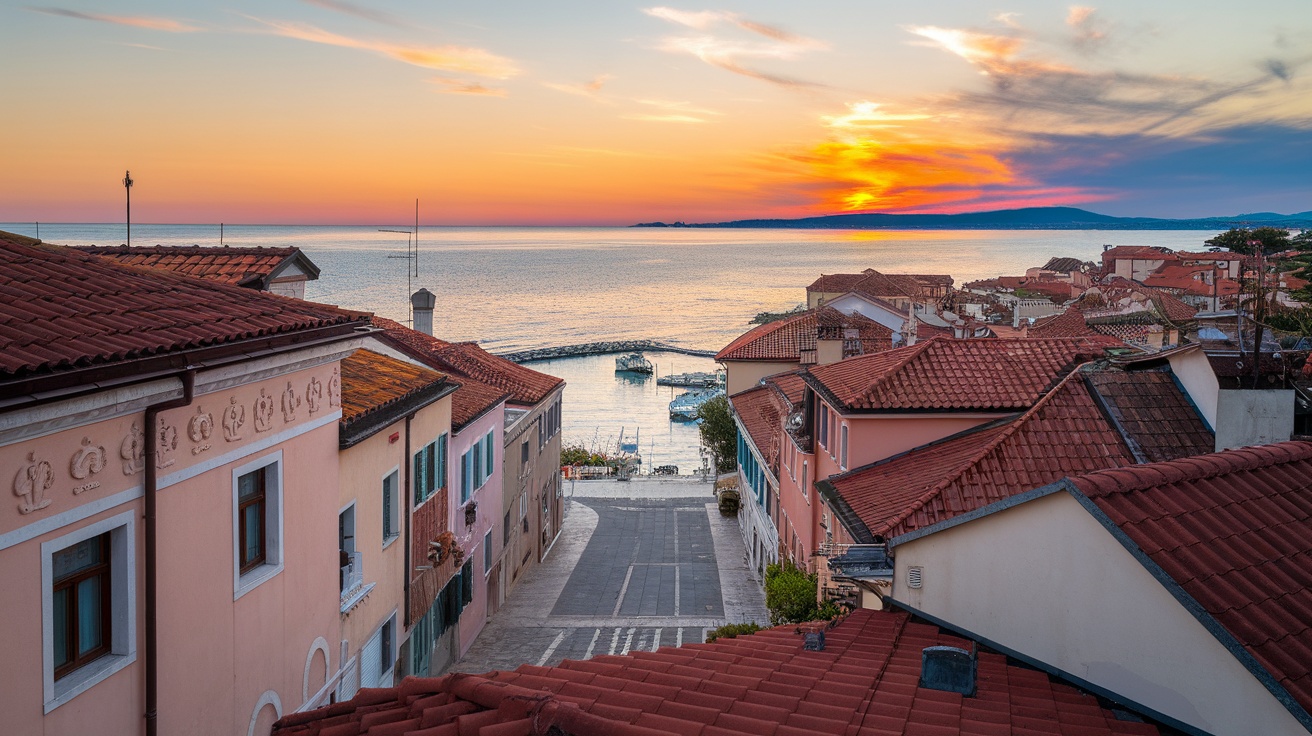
[{"x": 601, "y": 113}]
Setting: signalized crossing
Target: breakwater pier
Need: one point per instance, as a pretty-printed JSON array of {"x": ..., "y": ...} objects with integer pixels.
[{"x": 601, "y": 348}]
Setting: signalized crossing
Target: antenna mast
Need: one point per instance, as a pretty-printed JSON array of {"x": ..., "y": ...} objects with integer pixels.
[
  {"x": 127, "y": 187},
  {"x": 412, "y": 258}
]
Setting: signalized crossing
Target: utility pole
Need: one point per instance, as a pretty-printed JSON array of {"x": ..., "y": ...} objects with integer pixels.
[
  {"x": 127, "y": 187},
  {"x": 1259, "y": 311}
]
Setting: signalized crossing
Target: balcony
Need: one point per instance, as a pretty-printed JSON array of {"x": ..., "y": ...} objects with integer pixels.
[{"x": 354, "y": 589}]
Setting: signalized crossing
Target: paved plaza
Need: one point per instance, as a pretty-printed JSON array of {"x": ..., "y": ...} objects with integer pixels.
[{"x": 638, "y": 565}]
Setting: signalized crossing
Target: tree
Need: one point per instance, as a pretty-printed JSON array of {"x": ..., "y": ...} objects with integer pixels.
[
  {"x": 719, "y": 433},
  {"x": 1273, "y": 240},
  {"x": 790, "y": 594}
]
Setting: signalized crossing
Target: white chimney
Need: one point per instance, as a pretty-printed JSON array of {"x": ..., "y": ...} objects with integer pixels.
[{"x": 422, "y": 303}]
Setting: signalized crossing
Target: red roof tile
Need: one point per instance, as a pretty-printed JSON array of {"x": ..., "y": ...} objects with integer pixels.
[
  {"x": 1158, "y": 419},
  {"x": 874, "y": 283},
  {"x": 371, "y": 382},
  {"x": 761, "y": 411},
  {"x": 864, "y": 682},
  {"x": 246, "y": 266},
  {"x": 1234, "y": 530},
  {"x": 523, "y": 385},
  {"x": 1069, "y": 323},
  {"x": 943, "y": 374},
  {"x": 791, "y": 386},
  {"x": 785, "y": 339},
  {"x": 61, "y": 309},
  {"x": 1064, "y": 434},
  {"x": 1143, "y": 252}
]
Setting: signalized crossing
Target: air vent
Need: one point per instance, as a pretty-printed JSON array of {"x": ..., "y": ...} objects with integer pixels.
[{"x": 915, "y": 577}]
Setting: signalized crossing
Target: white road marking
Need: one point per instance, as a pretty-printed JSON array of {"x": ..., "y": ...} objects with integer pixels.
[
  {"x": 595, "y": 635},
  {"x": 705, "y": 631},
  {"x": 552, "y": 649},
  {"x": 623, "y": 590},
  {"x": 628, "y": 641},
  {"x": 656, "y": 641},
  {"x": 676, "y": 590},
  {"x": 614, "y": 641},
  {"x": 678, "y": 638}
]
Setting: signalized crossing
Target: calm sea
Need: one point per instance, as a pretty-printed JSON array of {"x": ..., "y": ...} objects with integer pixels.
[{"x": 517, "y": 288}]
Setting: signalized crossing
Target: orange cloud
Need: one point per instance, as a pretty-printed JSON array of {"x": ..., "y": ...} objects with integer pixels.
[
  {"x": 479, "y": 62},
  {"x": 462, "y": 87},
  {"x": 135, "y": 21}
]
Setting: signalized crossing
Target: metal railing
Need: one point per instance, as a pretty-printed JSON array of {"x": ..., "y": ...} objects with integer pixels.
[{"x": 352, "y": 574}]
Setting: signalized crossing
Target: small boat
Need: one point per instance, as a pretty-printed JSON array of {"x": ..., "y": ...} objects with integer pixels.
[
  {"x": 633, "y": 363},
  {"x": 698, "y": 379},
  {"x": 685, "y": 405}
]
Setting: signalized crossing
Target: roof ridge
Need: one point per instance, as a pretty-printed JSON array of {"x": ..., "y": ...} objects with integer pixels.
[
  {"x": 913, "y": 352},
  {"x": 1198, "y": 467},
  {"x": 1011, "y": 429}
]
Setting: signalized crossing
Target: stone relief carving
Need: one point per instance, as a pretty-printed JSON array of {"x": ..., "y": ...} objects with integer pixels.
[
  {"x": 200, "y": 428},
  {"x": 168, "y": 442},
  {"x": 233, "y": 419},
  {"x": 289, "y": 403},
  {"x": 87, "y": 461},
  {"x": 31, "y": 484},
  {"x": 314, "y": 394},
  {"x": 263, "y": 412},
  {"x": 335, "y": 389},
  {"x": 132, "y": 451}
]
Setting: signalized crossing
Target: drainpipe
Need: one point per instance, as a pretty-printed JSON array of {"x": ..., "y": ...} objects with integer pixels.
[
  {"x": 409, "y": 510},
  {"x": 152, "y": 528}
]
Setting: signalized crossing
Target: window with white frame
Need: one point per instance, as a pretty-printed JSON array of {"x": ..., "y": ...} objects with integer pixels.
[
  {"x": 391, "y": 507},
  {"x": 378, "y": 658},
  {"x": 842, "y": 447},
  {"x": 488, "y": 455},
  {"x": 824, "y": 425},
  {"x": 430, "y": 469},
  {"x": 88, "y": 606},
  {"x": 257, "y": 522},
  {"x": 804, "y": 479}
]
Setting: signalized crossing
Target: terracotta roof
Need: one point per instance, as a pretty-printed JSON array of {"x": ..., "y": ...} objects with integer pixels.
[
  {"x": 371, "y": 382},
  {"x": 1157, "y": 418},
  {"x": 246, "y": 266},
  {"x": 466, "y": 359},
  {"x": 1057, "y": 291},
  {"x": 1234, "y": 530},
  {"x": 1064, "y": 264},
  {"x": 1191, "y": 280},
  {"x": 943, "y": 374},
  {"x": 1120, "y": 292},
  {"x": 864, "y": 682},
  {"x": 875, "y": 283},
  {"x": 1067, "y": 324},
  {"x": 1142, "y": 252},
  {"x": 473, "y": 399},
  {"x": 761, "y": 412},
  {"x": 61, "y": 309},
  {"x": 785, "y": 339},
  {"x": 1064, "y": 434},
  {"x": 791, "y": 386},
  {"x": 999, "y": 282},
  {"x": 1220, "y": 255}
]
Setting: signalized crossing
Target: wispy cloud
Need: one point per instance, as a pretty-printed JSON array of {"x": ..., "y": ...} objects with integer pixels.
[
  {"x": 671, "y": 118},
  {"x": 677, "y": 106},
  {"x": 590, "y": 89},
  {"x": 359, "y": 11},
  {"x": 464, "y": 87},
  {"x": 761, "y": 42},
  {"x": 1089, "y": 31},
  {"x": 464, "y": 59},
  {"x": 136, "y": 21}
]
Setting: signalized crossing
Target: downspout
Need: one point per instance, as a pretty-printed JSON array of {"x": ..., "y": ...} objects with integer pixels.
[
  {"x": 409, "y": 510},
  {"x": 152, "y": 528}
]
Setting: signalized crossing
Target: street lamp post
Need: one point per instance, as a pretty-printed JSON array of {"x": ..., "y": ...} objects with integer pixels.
[{"x": 127, "y": 187}]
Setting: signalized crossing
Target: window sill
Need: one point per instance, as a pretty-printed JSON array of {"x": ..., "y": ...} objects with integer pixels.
[
  {"x": 255, "y": 578},
  {"x": 87, "y": 677},
  {"x": 387, "y": 541},
  {"x": 355, "y": 597}
]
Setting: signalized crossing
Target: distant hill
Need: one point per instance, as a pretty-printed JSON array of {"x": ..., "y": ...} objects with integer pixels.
[{"x": 1027, "y": 218}]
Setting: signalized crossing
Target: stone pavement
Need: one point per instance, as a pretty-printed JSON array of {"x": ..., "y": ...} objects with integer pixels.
[{"x": 638, "y": 565}]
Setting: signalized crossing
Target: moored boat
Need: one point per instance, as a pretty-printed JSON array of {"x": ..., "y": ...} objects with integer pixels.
[
  {"x": 685, "y": 405},
  {"x": 633, "y": 363}
]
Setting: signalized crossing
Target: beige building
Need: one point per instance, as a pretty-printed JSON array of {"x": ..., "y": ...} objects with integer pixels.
[{"x": 1181, "y": 587}]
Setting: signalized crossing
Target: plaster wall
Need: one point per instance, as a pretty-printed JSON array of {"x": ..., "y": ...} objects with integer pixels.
[
  {"x": 794, "y": 504},
  {"x": 1195, "y": 374},
  {"x": 487, "y": 500},
  {"x": 1047, "y": 580},
  {"x": 1253, "y": 417},
  {"x": 741, "y": 375},
  {"x": 520, "y": 550},
  {"x": 854, "y": 304}
]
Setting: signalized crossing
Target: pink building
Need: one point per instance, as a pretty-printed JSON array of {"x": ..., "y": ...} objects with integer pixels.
[{"x": 168, "y": 554}]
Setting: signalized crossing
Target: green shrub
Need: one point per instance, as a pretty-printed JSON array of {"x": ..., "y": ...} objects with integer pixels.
[
  {"x": 790, "y": 596},
  {"x": 729, "y": 631}
]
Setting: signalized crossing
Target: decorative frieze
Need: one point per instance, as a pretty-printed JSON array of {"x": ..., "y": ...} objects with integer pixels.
[
  {"x": 335, "y": 389},
  {"x": 31, "y": 484},
  {"x": 263, "y": 412},
  {"x": 200, "y": 428},
  {"x": 314, "y": 394},
  {"x": 87, "y": 461},
  {"x": 168, "y": 442},
  {"x": 233, "y": 418},
  {"x": 289, "y": 403},
  {"x": 133, "y": 450}
]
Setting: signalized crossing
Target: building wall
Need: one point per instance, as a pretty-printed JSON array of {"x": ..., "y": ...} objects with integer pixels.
[
  {"x": 876, "y": 437},
  {"x": 1195, "y": 374},
  {"x": 534, "y": 480},
  {"x": 1045, "y": 579},
  {"x": 1253, "y": 417},
  {"x": 220, "y": 653},
  {"x": 797, "y": 526},
  {"x": 759, "y": 499},
  {"x": 487, "y": 501},
  {"x": 854, "y": 304},
  {"x": 741, "y": 375}
]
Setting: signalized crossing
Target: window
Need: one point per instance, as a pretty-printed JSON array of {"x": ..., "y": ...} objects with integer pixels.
[
  {"x": 88, "y": 607},
  {"x": 82, "y": 626},
  {"x": 391, "y": 510},
  {"x": 824, "y": 425},
  {"x": 430, "y": 469},
  {"x": 252, "y": 508},
  {"x": 487, "y": 552},
  {"x": 805, "y": 487},
  {"x": 523, "y": 451},
  {"x": 488, "y": 455},
  {"x": 523, "y": 504},
  {"x": 379, "y": 655},
  {"x": 464, "y": 478},
  {"x": 505, "y": 530},
  {"x": 842, "y": 447},
  {"x": 257, "y": 522}
]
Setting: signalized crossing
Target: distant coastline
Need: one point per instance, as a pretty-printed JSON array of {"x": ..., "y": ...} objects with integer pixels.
[{"x": 1029, "y": 218}]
